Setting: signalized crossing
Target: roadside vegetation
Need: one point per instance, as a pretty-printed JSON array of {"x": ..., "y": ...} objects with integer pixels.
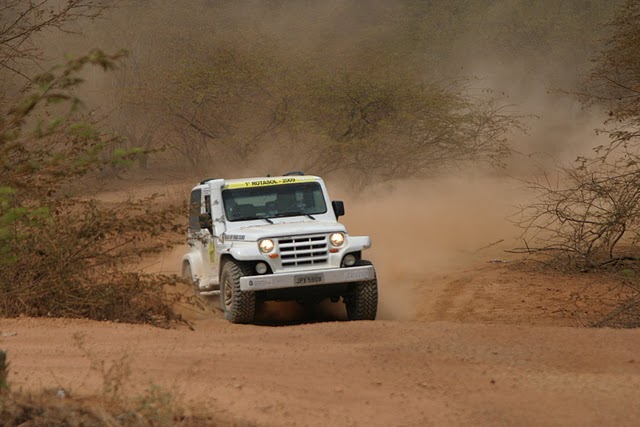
[
  {"x": 586, "y": 215},
  {"x": 62, "y": 252}
]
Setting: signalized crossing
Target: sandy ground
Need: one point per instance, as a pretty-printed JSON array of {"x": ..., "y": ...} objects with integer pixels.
[
  {"x": 464, "y": 336},
  {"x": 475, "y": 354}
]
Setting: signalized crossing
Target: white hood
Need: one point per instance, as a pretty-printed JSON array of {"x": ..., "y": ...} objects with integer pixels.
[{"x": 255, "y": 231}]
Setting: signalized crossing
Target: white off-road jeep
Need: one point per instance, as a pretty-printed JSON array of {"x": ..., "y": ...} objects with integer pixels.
[{"x": 278, "y": 239}]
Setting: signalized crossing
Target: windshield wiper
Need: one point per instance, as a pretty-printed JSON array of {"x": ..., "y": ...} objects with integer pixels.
[
  {"x": 249, "y": 218},
  {"x": 283, "y": 214},
  {"x": 265, "y": 218}
]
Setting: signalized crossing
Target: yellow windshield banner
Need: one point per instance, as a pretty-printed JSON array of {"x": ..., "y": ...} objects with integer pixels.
[{"x": 268, "y": 181}]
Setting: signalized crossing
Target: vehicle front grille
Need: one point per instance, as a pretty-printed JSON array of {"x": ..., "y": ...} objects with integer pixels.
[{"x": 303, "y": 250}]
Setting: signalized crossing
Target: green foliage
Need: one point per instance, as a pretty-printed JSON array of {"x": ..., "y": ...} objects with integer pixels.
[
  {"x": 65, "y": 148},
  {"x": 123, "y": 157},
  {"x": 63, "y": 253},
  {"x": 8, "y": 216},
  {"x": 11, "y": 216}
]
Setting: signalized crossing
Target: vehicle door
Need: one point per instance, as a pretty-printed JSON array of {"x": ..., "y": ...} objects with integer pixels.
[
  {"x": 200, "y": 237},
  {"x": 210, "y": 241}
]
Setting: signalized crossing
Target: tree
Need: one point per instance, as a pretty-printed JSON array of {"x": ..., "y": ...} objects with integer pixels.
[
  {"x": 229, "y": 104},
  {"x": 377, "y": 126},
  {"x": 21, "y": 21},
  {"x": 590, "y": 215},
  {"x": 615, "y": 80}
]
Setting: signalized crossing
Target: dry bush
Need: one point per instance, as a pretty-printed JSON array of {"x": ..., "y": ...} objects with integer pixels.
[
  {"x": 582, "y": 218},
  {"x": 594, "y": 206},
  {"x": 590, "y": 217},
  {"x": 73, "y": 263}
]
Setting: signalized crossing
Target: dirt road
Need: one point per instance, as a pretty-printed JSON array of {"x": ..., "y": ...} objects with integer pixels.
[{"x": 408, "y": 373}]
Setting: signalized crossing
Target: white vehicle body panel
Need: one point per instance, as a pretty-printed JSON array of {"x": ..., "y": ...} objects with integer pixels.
[{"x": 239, "y": 240}]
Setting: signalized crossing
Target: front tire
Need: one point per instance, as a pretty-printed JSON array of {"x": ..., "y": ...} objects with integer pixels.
[
  {"x": 238, "y": 306},
  {"x": 362, "y": 303}
]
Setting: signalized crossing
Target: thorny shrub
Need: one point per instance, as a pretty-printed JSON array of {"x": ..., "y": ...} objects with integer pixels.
[
  {"x": 589, "y": 216},
  {"x": 65, "y": 254}
]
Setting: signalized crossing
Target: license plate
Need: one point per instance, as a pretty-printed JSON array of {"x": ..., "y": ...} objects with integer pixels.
[{"x": 308, "y": 279}]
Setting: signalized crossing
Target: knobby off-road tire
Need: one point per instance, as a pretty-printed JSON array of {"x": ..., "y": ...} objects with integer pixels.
[
  {"x": 238, "y": 306},
  {"x": 362, "y": 304}
]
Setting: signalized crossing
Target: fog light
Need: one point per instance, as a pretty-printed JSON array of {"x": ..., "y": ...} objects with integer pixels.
[
  {"x": 349, "y": 260},
  {"x": 261, "y": 268}
]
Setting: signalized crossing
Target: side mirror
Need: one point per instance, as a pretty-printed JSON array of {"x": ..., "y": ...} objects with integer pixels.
[
  {"x": 338, "y": 208},
  {"x": 205, "y": 221}
]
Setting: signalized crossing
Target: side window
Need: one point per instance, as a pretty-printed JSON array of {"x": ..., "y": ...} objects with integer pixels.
[
  {"x": 194, "y": 210},
  {"x": 207, "y": 204}
]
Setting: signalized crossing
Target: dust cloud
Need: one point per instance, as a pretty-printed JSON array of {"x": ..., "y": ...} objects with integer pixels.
[
  {"x": 418, "y": 226},
  {"x": 421, "y": 228}
]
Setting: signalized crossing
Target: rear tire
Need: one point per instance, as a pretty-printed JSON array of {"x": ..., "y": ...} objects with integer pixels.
[
  {"x": 238, "y": 306},
  {"x": 362, "y": 303}
]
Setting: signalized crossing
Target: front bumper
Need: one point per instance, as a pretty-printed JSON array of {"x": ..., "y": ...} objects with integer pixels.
[{"x": 307, "y": 278}]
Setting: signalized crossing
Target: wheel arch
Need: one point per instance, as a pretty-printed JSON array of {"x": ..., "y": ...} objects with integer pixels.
[
  {"x": 194, "y": 260},
  {"x": 224, "y": 258}
]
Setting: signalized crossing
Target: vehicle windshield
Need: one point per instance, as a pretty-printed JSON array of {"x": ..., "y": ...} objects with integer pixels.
[{"x": 273, "y": 201}]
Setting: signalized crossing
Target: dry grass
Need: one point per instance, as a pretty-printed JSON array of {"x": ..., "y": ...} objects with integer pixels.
[
  {"x": 109, "y": 406},
  {"x": 58, "y": 408}
]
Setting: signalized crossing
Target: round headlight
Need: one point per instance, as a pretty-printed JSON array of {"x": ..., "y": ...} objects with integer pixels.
[
  {"x": 336, "y": 239},
  {"x": 266, "y": 246}
]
